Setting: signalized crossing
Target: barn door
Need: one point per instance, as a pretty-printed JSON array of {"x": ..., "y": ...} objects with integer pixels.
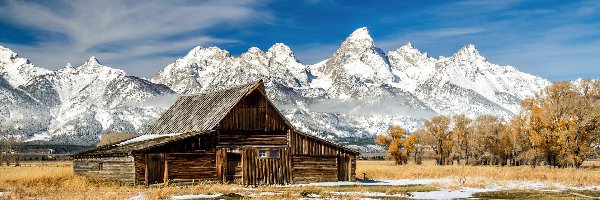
[
  {"x": 343, "y": 164},
  {"x": 234, "y": 167},
  {"x": 155, "y": 168}
]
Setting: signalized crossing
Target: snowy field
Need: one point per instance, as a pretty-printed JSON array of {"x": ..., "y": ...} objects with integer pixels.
[{"x": 447, "y": 189}]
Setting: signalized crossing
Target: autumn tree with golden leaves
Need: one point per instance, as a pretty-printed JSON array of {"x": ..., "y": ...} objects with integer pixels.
[
  {"x": 399, "y": 145},
  {"x": 436, "y": 133}
]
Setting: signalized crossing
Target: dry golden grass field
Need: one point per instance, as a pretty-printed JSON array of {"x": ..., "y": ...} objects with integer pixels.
[
  {"x": 587, "y": 175},
  {"x": 56, "y": 181}
]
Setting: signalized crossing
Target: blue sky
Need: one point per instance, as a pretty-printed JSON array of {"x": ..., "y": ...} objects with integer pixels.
[{"x": 559, "y": 40}]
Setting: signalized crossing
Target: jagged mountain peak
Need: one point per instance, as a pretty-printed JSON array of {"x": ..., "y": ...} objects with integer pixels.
[
  {"x": 408, "y": 45},
  {"x": 468, "y": 52},
  {"x": 93, "y": 66},
  {"x": 203, "y": 53},
  {"x": 281, "y": 52},
  {"x": 360, "y": 34},
  {"x": 92, "y": 61},
  {"x": 280, "y": 47},
  {"x": 254, "y": 50},
  {"x": 16, "y": 70},
  {"x": 254, "y": 54},
  {"x": 410, "y": 49},
  {"x": 359, "y": 40},
  {"x": 68, "y": 69},
  {"x": 7, "y": 55}
]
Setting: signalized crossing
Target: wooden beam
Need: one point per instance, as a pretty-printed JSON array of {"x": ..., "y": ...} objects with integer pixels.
[{"x": 166, "y": 171}]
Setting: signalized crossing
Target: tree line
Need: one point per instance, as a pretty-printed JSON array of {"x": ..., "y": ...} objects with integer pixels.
[{"x": 558, "y": 126}]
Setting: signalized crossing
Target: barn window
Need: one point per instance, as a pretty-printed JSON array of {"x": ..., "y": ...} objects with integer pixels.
[
  {"x": 262, "y": 153},
  {"x": 274, "y": 154},
  {"x": 100, "y": 166},
  {"x": 268, "y": 153}
]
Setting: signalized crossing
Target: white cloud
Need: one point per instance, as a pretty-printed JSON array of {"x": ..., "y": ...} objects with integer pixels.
[
  {"x": 138, "y": 28},
  {"x": 370, "y": 106}
]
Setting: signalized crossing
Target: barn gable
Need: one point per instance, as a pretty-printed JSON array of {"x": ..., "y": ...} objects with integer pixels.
[{"x": 200, "y": 112}]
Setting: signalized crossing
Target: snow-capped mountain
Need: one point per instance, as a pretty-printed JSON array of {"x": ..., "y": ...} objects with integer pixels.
[
  {"x": 72, "y": 105},
  {"x": 360, "y": 90},
  {"x": 356, "y": 66},
  {"x": 349, "y": 98}
]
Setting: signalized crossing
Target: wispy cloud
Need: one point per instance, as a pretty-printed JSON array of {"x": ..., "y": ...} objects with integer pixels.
[
  {"x": 371, "y": 106},
  {"x": 130, "y": 28}
]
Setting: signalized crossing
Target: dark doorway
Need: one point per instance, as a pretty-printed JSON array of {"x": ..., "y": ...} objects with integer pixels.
[
  {"x": 234, "y": 167},
  {"x": 155, "y": 168},
  {"x": 343, "y": 164}
]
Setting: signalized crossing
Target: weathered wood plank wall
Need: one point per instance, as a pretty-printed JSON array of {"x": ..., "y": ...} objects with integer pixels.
[
  {"x": 256, "y": 138},
  {"x": 108, "y": 168},
  {"x": 190, "y": 167},
  {"x": 303, "y": 146},
  {"x": 140, "y": 168},
  {"x": 314, "y": 168},
  {"x": 254, "y": 113},
  {"x": 265, "y": 171}
]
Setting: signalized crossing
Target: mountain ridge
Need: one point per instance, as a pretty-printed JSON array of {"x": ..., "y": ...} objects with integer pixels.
[
  {"x": 349, "y": 97},
  {"x": 72, "y": 105}
]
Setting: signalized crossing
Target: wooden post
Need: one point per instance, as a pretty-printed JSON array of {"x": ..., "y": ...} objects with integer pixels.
[
  {"x": 224, "y": 165},
  {"x": 146, "y": 169},
  {"x": 219, "y": 164},
  {"x": 166, "y": 172}
]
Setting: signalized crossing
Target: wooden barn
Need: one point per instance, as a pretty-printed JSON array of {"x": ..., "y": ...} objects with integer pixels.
[{"x": 234, "y": 135}]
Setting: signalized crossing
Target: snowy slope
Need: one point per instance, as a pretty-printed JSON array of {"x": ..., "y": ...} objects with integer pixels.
[{"x": 72, "y": 105}]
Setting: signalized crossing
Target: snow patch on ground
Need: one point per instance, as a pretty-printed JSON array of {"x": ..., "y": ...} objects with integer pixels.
[
  {"x": 368, "y": 194},
  {"x": 447, "y": 194},
  {"x": 196, "y": 196},
  {"x": 449, "y": 189},
  {"x": 399, "y": 182},
  {"x": 138, "y": 196}
]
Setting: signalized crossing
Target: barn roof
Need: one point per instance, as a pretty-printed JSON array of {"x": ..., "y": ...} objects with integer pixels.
[
  {"x": 200, "y": 112},
  {"x": 137, "y": 143}
]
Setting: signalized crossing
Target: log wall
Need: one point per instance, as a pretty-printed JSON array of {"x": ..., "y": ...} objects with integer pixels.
[
  {"x": 190, "y": 167},
  {"x": 112, "y": 168},
  {"x": 308, "y": 169},
  {"x": 254, "y": 138}
]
